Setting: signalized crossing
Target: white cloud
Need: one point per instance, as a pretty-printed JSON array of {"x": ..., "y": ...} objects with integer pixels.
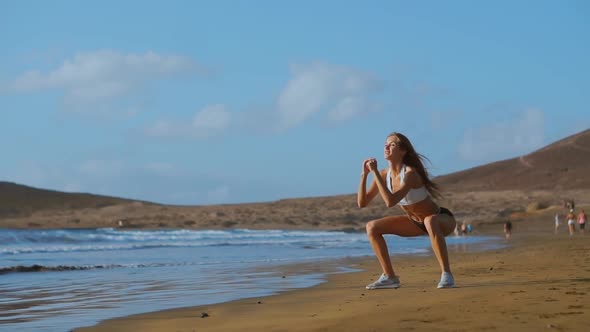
[
  {"x": 104, "y": 75},
  {"x": 350, "y": 107},
  {"x": 338, "y": 91},
  {"x": 211, "y": 120},
  {"x": 341, "y": 91},
  {"x": 504, "y": 139}
]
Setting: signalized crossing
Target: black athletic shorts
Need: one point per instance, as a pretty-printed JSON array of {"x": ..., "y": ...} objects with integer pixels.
[{"x": 441, "y": 210}]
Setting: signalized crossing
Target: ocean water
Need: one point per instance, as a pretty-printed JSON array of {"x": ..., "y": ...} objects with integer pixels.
[{"x": 56, "y": 280}]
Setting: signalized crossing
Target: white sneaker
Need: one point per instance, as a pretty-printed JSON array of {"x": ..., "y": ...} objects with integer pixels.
[
  {"x": 385, "y": 281},
  {"x": 446, "y": 280}
]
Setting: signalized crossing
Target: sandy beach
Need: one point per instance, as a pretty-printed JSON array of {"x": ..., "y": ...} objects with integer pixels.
[{"x": 541, "y": 281}]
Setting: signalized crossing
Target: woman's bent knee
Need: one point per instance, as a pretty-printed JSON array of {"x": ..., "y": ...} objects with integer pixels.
[
  {"x": 372, "y": 229},
  {"x": 439, "y": 224},
  {"x": 369, "y": 227}
]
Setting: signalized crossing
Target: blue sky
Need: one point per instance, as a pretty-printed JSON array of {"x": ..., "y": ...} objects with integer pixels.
[{"x": 206, "y": 102}]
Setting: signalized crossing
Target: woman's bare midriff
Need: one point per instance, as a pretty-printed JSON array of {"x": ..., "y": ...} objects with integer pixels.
[{"x": 419, "y": 211}]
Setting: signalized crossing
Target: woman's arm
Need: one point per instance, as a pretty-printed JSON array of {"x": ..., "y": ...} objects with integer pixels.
[{"x": 364, "y": 197}]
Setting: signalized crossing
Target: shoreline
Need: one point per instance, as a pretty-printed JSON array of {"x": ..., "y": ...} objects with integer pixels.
[
  {"x": 337, "y": 212},
  {"x": 115, "y": 288},
  {"x": 517, "y": 287}
]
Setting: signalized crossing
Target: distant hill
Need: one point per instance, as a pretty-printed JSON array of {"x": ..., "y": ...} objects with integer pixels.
[
  {"x": 563, "y": 165},
  {"x": 20, "y": 201}
]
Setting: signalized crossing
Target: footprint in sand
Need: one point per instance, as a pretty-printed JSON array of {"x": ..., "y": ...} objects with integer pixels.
[
  {"x": 575, "y": 293},
  {"x": 561, "y": 314}
]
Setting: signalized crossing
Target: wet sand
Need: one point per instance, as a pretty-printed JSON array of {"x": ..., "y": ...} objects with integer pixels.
[{"x": 540, "y": 282}]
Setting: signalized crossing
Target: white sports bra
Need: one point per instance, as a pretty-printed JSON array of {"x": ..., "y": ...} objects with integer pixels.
[{"x": 414, "y": 196}]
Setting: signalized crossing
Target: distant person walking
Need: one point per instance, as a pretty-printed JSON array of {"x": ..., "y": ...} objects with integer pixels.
[
  {"x": 405, "y": 182},
  {"x": 571, "y": 222},
  {"x": 557, "y": 223},
  {"x": 507, "y": 229},
  {"x": 582, "y": 221}
]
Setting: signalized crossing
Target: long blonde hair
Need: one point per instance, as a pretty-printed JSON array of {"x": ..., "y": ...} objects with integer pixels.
[{"x": 416, "y": 161}]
